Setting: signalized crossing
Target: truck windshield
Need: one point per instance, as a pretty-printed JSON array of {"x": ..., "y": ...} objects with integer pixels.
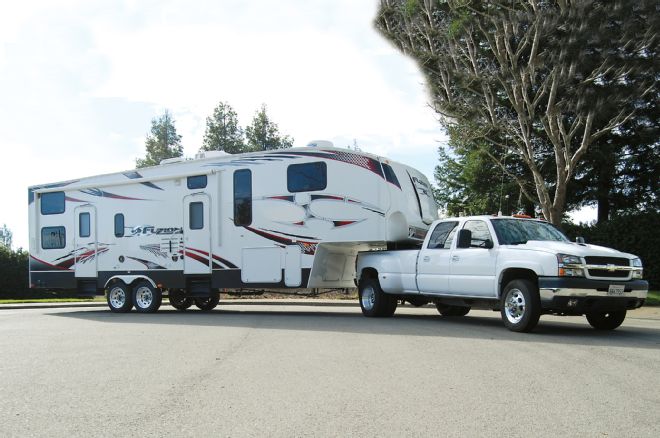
[{"x": 518, "y": 231}]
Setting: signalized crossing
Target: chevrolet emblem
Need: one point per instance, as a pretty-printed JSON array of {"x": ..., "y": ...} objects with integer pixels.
[{"x": 611, "y": 268}]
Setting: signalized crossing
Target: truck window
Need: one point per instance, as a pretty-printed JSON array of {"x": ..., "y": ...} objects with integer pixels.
[
  {"x": 119, "y": 225},
  {"x": 83, "y": 225},
  {"x": 197, "y": 182},
  {"x": 306, "y": 177},
  {"x": 242, "y": 197},
  {"x": 196, "y": 219},
  {"x": 53, "y": 237},
  {"x": 443, "y": 235},
  {"x": 480, "y": 233},
  {"x": 52, "y": 203}
]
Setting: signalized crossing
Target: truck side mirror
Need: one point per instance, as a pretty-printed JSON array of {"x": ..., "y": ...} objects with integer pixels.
[
  {"x": 488, "y": 244},
  {"x": 464, "y": 238},
  {"x": 579, "y": 240}
]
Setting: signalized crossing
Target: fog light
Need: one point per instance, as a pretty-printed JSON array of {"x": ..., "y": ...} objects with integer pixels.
[{"x": 572, "y": 302}]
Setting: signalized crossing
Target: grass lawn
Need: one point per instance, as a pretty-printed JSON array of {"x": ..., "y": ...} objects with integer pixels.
[{"x": 653, "y": 299}]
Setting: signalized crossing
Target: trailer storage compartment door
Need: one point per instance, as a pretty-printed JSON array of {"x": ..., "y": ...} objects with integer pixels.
[{"x": 292, "y": 266}]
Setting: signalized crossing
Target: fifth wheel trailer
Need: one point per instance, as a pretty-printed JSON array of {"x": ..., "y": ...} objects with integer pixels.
[{"x": 292, "y": 218}]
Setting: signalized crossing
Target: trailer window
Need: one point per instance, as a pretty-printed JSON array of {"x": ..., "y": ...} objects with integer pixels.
[
  {"x": 119, "y": 225},
  {"x": 390, "y": 176},
  {"x": 242, "y": 197},
  {"x": 197, "y": 182},
  {"x": 307, "y": 177},
  {"x": 83, "y": 225},
  {"x": 52, "y": 203},
  {"x": 443, "y": 235},
  {"x": 53, "y": 237},
  {"x": 196, "y": 215}
]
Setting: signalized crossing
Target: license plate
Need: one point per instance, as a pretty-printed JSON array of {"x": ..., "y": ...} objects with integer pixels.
[{"x": 615, "y": 289}]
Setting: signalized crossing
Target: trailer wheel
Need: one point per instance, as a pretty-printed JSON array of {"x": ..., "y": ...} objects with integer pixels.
[
  {"x": 119, "y": 297},
  {"x": 208, "y": 303},
  {"x": 447, "y": 310},
  {"x": 606, "y": 320},
  {"x": 375, "y": 302},
  {"x": 179, "y": 301},
  {"x": 520, "y": 306},
  {"x": 147, "y": 299}
]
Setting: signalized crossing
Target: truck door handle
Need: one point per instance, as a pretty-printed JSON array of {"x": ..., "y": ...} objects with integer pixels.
[
  {"x": 455, "y": 258},
  {"x": 427, "y": 259}
]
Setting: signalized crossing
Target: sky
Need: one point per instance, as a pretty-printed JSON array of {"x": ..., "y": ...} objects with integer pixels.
[{"x": 81, "y": 80}]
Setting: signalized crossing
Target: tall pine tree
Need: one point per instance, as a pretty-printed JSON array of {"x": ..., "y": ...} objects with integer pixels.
[
  {"x": 263, "y": 134},
  {"x": 163, "y": 142},
  {"x": 223, "y": 133}
]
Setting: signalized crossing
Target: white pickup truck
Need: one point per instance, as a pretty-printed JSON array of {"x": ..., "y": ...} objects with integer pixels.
[{"x": 521, "y": 267}]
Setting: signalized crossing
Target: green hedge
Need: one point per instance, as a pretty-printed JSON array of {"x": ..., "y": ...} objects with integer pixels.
[
  {"x": 636, "y": 234},
  {"x": 13, "y": 273}
]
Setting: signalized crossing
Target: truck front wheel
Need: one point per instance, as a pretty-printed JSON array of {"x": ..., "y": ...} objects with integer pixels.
[
  {"x": 606, "y": 320},
  {"x": 375, "y": 302},
  {"x": 520, "y": 306}
]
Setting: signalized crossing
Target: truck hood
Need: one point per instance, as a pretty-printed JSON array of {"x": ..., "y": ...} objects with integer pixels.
[{"x": 571, "y": 248}]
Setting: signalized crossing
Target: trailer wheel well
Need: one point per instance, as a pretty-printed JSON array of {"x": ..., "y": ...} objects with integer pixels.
[
  {"x": 516, "y": 274},
  {"x": 128, "y": 280}
]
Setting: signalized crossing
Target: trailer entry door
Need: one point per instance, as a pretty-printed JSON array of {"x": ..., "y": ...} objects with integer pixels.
[
  {"x": 84, "y": 242},
  {"x": 197, "y": 234}
]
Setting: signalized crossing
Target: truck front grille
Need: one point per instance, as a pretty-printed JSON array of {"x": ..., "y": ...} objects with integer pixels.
[
  {"x": 604, "y": 272},
  {"x": 618, "y": 261}
]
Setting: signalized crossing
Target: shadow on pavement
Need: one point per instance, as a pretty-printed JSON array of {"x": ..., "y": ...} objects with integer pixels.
[{"x": 472, "y": 326}]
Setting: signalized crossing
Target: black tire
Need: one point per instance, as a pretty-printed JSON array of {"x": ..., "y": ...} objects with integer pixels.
[
  {"x": 208, "y": 303},
  {"x": 373, "y": 301},
  {"x": 606, "y": 320},
  {"x": 447, "y": 310},
  {"x": 520, "y": 306},
  {"x": 178, "y": 300},
  {"x": 146, "y": 298},
  {"x": 119, "y": 297}
]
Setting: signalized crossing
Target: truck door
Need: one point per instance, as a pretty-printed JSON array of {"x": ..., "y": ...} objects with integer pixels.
[
  {"x": 84, "y": 242},
  {"x": 433, "y": 261},
  {"x": 197, "y": 234},
  {"x": 472, "y": 270}
]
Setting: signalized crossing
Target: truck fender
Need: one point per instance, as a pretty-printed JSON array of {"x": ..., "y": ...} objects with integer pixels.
[
  {"x": 508, "y": 272},
  {"x": 129, "y": 279}
]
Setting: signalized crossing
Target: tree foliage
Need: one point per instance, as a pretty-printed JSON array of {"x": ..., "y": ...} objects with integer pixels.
[
  {"x": 6, "y": 236},
  {"x": 223, "y": 132},
  {"x": 542, "y": 80},
  {"x": 163, "y": 142},
  {"x": 263, "y": 134}
]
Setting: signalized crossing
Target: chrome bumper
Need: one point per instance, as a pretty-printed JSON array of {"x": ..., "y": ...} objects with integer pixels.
[{"x": 551, "y": 292}]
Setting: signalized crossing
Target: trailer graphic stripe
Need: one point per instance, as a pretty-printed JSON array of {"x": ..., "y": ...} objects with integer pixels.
[
  {"x": 307, "y": 247},
  {"x": 104, "y": 194},
  {"x": 215, "y": 257},
  {"x": 136, "y": 175}
]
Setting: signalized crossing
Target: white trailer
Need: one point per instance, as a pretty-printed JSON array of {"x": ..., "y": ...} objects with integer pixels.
[{"x": 292, "y": 218}]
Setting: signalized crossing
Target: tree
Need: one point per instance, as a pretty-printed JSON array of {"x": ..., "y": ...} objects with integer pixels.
[
  {"x": 530, "y": 77},
  {"x": 223, "y": 133},
  {"x": 263, "y": 134},
  {"x": 162, "y": 143},
  {"x": 6, "y": 237}
]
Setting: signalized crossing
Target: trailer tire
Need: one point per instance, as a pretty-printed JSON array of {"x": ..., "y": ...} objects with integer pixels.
[
  {"x": 606, "y": 320},
  {"x": 520, "y": 306},
  {"x": 146, "y": 298},
  {"x": 178, "y": 300},
  {"x": 208, "y": 303},
  {"x": 373, "y": 301},
  {"x": 119, "y": 297},
  {"x": 448, "y": 310}
]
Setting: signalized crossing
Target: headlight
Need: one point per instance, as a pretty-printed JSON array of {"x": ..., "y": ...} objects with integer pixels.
[
  {"x": 569, "y": 265},
  {"x": 638, "y": 272}
]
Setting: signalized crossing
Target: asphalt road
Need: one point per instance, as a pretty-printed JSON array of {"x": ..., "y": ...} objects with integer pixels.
[{"x": 292, "y": 370}]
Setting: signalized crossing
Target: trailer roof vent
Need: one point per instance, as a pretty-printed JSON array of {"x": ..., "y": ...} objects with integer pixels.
[
  {"x": 172, "y": 160},
  {"x": 210, "y": 154},
  {"x": 320, "y": 144}
]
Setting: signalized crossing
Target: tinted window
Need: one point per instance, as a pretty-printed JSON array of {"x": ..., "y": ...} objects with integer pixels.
[
  {"x": 197, "y": 182},
  {"x": 440, "y": 236},
  {"x": 119, "y": 225},
  {"x": 83, "y": 225},
  {"x": 52, "y": 203},
  {"x": 480, "y": 233},
  {"x": 306, "y": 177},
  {"x": 390, "y": 176},
  {"x": 243, "y": 197},
  {"x": 196, "y": 212},
  {"x": 53, "y": 237},
  {"x": 517, "y": 231}
]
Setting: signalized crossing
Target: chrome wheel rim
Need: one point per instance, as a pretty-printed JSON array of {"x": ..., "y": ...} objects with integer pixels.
[
  {"x": 144, "y": 297},
  {"x": 514, "y": 305},
  {"x": 117, "y": 297},
  {"x": 368, "y": 298}
]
